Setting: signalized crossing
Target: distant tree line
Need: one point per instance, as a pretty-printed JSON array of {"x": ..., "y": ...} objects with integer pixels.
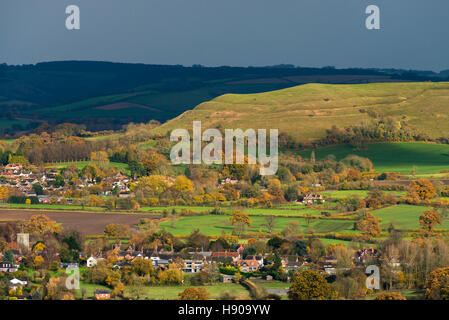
[
  {"x": 376, "y": 130},
  {"x": 23, "y": 200},
  {"x": 60, "y": 152}
]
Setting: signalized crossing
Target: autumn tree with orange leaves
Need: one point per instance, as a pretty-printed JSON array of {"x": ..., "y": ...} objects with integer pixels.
[
  {"x": 41, "y": 224},
  {"x": 422, "y": 189},
  {"x": 194, "y": 294},
  {"x": 429, "y": 219},
  {"x": 239, "y": 216},
  {"x": 369, "y": 225}
]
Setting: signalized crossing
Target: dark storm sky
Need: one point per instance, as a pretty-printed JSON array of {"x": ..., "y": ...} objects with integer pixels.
[{"x": 414, "y": 33}]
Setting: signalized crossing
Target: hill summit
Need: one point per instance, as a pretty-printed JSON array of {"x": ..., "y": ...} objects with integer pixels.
[{"x": 306, "y": 111}]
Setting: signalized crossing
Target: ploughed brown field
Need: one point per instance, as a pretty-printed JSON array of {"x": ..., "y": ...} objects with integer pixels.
[{"x": 85, "y": 222}]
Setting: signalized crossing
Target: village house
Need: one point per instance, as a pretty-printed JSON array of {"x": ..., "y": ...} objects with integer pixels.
[
  {"x": 159, "y": 262},
  {"x": 44, "y": 199},
  {"x": 101, "y": 294},
  {"x": 9, "y": 176},
  {"x": 311, "y": 198},
  {"x": 124, "y": 194},
  {"x": 248, "y": 265},
  {"x": 229, "y": 181},
  {"x": 228, "y": 278},
  {"x": 365, "y": 254},
  {"x": 193, "y": 266},
  {"x": 15, "y": 283},
  {"x": 328, "y": 264},
  {"x": 241, "y": 248},
  {"x": 17, "y": 254},
  {"x": 259, "y": 259},
  {"x": 92, "y": 261},
  {"x": 8, "y": 267},
  {"x": 203, "y": 255},
  {"x": 226, "y": 254},
  {"x": 129, "y": 255},
  {"x": 65, "y": 265},
  {"x": 22, "y": 180},
  {"x": 292, "y": 265},
  {"x": 13, "y": 167}
]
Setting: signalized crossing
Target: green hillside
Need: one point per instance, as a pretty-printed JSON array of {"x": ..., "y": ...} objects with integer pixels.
[
  {"x": 105, "y": 95},
  {"x": 307, "y": 111},
  {"x": 394, "y": 157}
]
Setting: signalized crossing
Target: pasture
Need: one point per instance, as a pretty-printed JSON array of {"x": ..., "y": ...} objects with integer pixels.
[
  {"x": 218, "y": 224},
  {"x": 341, "y": 194},
  {"x": 90, "y": 289},
  {"x": 113, "y": 136},
  {"x": 404, "y": 217},
  {"x": 171, "y": 292},
  {"x": 401, "y": 157},
  {"x": 82, "y": 164},
  {"x": 318, "y": 107},
  {"x": 276, "y": 211}
]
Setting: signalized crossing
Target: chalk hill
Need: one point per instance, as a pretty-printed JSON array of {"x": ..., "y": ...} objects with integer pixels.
[{"x": 306, "y": 111}]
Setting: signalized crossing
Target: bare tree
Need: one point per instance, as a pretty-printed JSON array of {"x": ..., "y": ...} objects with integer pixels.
[{"x": 270, "y": 223}]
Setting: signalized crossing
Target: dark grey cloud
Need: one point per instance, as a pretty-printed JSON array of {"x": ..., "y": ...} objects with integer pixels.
[{"x": 413, "y": 33}]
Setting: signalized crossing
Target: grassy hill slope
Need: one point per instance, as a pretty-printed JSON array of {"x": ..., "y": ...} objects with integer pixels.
[
  {"x": 307, "y": 111},
  {"x": 104, "y": 95},
  {"x": 394, "y": 157}
]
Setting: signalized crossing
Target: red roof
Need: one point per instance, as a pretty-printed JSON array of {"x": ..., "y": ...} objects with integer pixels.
[
  {"x": 251, "y": 263},
  {"x": 225, "y": 254}
]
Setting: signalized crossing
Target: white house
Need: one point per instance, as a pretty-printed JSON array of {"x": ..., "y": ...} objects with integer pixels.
[
  {"x": 91, "y": 262},
  {"x": 15, "y": 283},
  {"x": 192, "y": 266}
]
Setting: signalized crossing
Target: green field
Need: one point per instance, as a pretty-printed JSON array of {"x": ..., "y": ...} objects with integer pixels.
[
  {"x": 177, "y": 208},
  {"x": 404, "y": 216},
  {"x": 272, "y": 284},
  {"x": 147, "y": 144},
  {"x": 278, "y": 212},
  {"x": 341, "y": 194},
  {"x": 394, "y": 157},
  {"x": 113, "y": 136},
  {"x": 90, "y": 288},
  {"x": 82, "y": 164},
  {"x": 216, "y": 225},
  {"x": 409, "y": 294},
  {"x": 289, "y": 206},
  {"x": 66, "y": 109},
  {"x": 284, "y": 211},
  {"x": 327, "y": 241},
  {"x": 171, "y": 292},
  {"x": 318, "y": 107}
]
